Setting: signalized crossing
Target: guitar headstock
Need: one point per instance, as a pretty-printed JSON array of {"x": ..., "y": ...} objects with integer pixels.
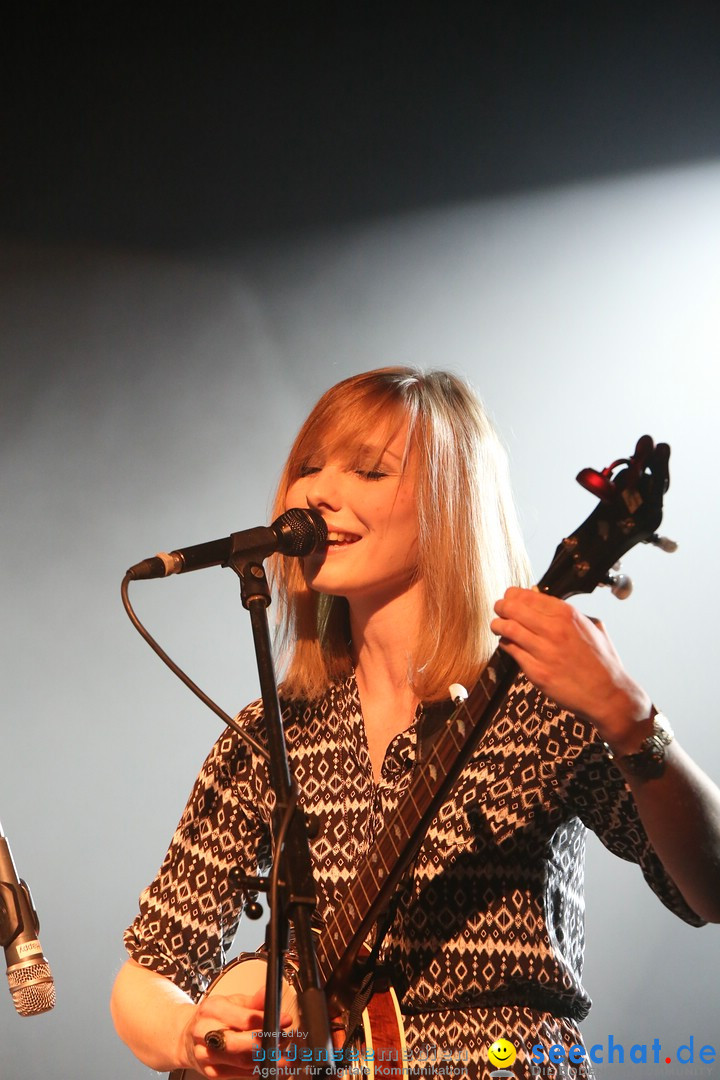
[{"x": 631, "y": 494}]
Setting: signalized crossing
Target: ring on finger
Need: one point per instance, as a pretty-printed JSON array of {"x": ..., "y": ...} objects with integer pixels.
[{"x": 215, "y": 1040}]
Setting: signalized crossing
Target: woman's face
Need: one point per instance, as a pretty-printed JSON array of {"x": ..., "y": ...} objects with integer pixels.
[{"x": 370, "y": 509}]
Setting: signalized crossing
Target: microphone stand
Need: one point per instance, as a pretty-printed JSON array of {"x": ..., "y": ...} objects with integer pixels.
[{"x": 296, "y": 897}]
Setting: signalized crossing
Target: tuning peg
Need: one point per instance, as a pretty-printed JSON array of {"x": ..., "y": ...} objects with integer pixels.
[
  {"x": 663, "y": 542},
  {"x": 620, "y": 585},
  {"x": 458, "y": 693}
]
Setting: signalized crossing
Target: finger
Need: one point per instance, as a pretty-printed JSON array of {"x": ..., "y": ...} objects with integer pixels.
[
  {"x": 232, "y": 1040},
  {"x": 241, "y": 1011},
  {"x": 236, "y": 1056},
  {"x": 535, "y": 671},
  {"x": 230, "y": 1031},
  {"x": 223, "y": 1043},
  {"x": 512, "y": 634},
  {"x": 256, "y": 1002},
  {"x": 514, "y": 624},
  {"x": 241, "y": 1059},
  {"x": 530, "y": 607}
]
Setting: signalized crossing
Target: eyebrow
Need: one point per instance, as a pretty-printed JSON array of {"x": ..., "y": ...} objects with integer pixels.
[
  {"x": 375, "y": 452},
  {"x": 378, "y": 451}
]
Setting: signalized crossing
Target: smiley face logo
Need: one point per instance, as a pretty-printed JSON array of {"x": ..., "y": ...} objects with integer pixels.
[{"x": 502, "y": 1053}]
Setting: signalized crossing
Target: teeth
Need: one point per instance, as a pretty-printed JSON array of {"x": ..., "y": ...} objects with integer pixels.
[{"x": 341, "y": 537}]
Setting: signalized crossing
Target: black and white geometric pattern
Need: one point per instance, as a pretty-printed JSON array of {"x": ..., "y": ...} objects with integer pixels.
[{"x": 488, "y": 936}]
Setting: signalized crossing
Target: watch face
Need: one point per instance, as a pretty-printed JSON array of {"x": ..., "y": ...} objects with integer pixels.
[
  {"x": 649, "y": 761},
  {"x": 661, "y": 727}
]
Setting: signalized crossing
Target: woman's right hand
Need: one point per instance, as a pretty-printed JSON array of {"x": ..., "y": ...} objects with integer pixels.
[
  {"x": 166, "y": 1030},
  {"x": 236, "y": 1021}
]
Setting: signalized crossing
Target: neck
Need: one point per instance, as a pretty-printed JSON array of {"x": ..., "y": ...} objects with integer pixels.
[{"x": 384, "y": 639}]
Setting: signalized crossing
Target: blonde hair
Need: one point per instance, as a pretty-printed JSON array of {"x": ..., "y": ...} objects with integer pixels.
[{"x": 469, "y": 549}]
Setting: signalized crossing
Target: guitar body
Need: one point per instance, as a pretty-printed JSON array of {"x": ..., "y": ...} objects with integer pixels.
[{"x": 380, "y": 1054}]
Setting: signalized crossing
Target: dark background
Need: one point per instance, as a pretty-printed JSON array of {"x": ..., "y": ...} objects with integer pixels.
[{"x": 179, "y": 126}]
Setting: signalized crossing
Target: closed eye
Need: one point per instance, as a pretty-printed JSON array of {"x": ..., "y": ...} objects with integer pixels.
[
  {"x": 366, "y": 474},
  {"x": 370, "y": 474}
]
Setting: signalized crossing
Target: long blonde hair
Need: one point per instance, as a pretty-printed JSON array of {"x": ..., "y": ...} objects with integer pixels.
[{"x": 470, "y": 548}]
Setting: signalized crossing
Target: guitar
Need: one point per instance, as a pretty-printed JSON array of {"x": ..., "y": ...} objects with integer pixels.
[{"x": 629, "y": 512}]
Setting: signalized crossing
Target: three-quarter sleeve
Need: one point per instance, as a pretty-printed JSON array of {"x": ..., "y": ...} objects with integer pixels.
[{"x": 189, "y": 914}]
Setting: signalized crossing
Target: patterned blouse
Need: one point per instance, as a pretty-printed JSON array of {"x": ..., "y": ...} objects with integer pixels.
[{"x": 488, "y": 935}]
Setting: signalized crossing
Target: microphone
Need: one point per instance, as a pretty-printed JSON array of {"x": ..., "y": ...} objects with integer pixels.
[
  {"x": 296, "y": 532},
  {"x": 29, "y": 977}
]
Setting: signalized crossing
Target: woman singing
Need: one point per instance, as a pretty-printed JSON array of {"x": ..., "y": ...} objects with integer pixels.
[{"x": 423, "y": 575}]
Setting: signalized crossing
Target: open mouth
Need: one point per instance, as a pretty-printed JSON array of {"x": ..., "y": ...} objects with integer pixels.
[{"x": 340, "y": 539}]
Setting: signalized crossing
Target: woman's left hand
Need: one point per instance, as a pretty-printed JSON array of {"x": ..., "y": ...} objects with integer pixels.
[{"x": 571, "y": 659}]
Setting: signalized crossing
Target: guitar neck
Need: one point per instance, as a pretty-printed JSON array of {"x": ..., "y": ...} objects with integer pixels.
[{"x": 382, "y": 868}]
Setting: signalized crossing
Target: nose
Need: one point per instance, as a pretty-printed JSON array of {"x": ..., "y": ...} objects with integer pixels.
[{"x": 322, "y": 489}]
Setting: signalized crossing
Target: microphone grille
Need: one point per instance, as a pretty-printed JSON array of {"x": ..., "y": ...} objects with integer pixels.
[
  {"x": 300, "y": 531},
  {"x": 32, "y": 988}
]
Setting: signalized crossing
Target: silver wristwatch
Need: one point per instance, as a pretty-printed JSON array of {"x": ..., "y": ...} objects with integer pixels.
[{"x": 649, "y": 761}]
